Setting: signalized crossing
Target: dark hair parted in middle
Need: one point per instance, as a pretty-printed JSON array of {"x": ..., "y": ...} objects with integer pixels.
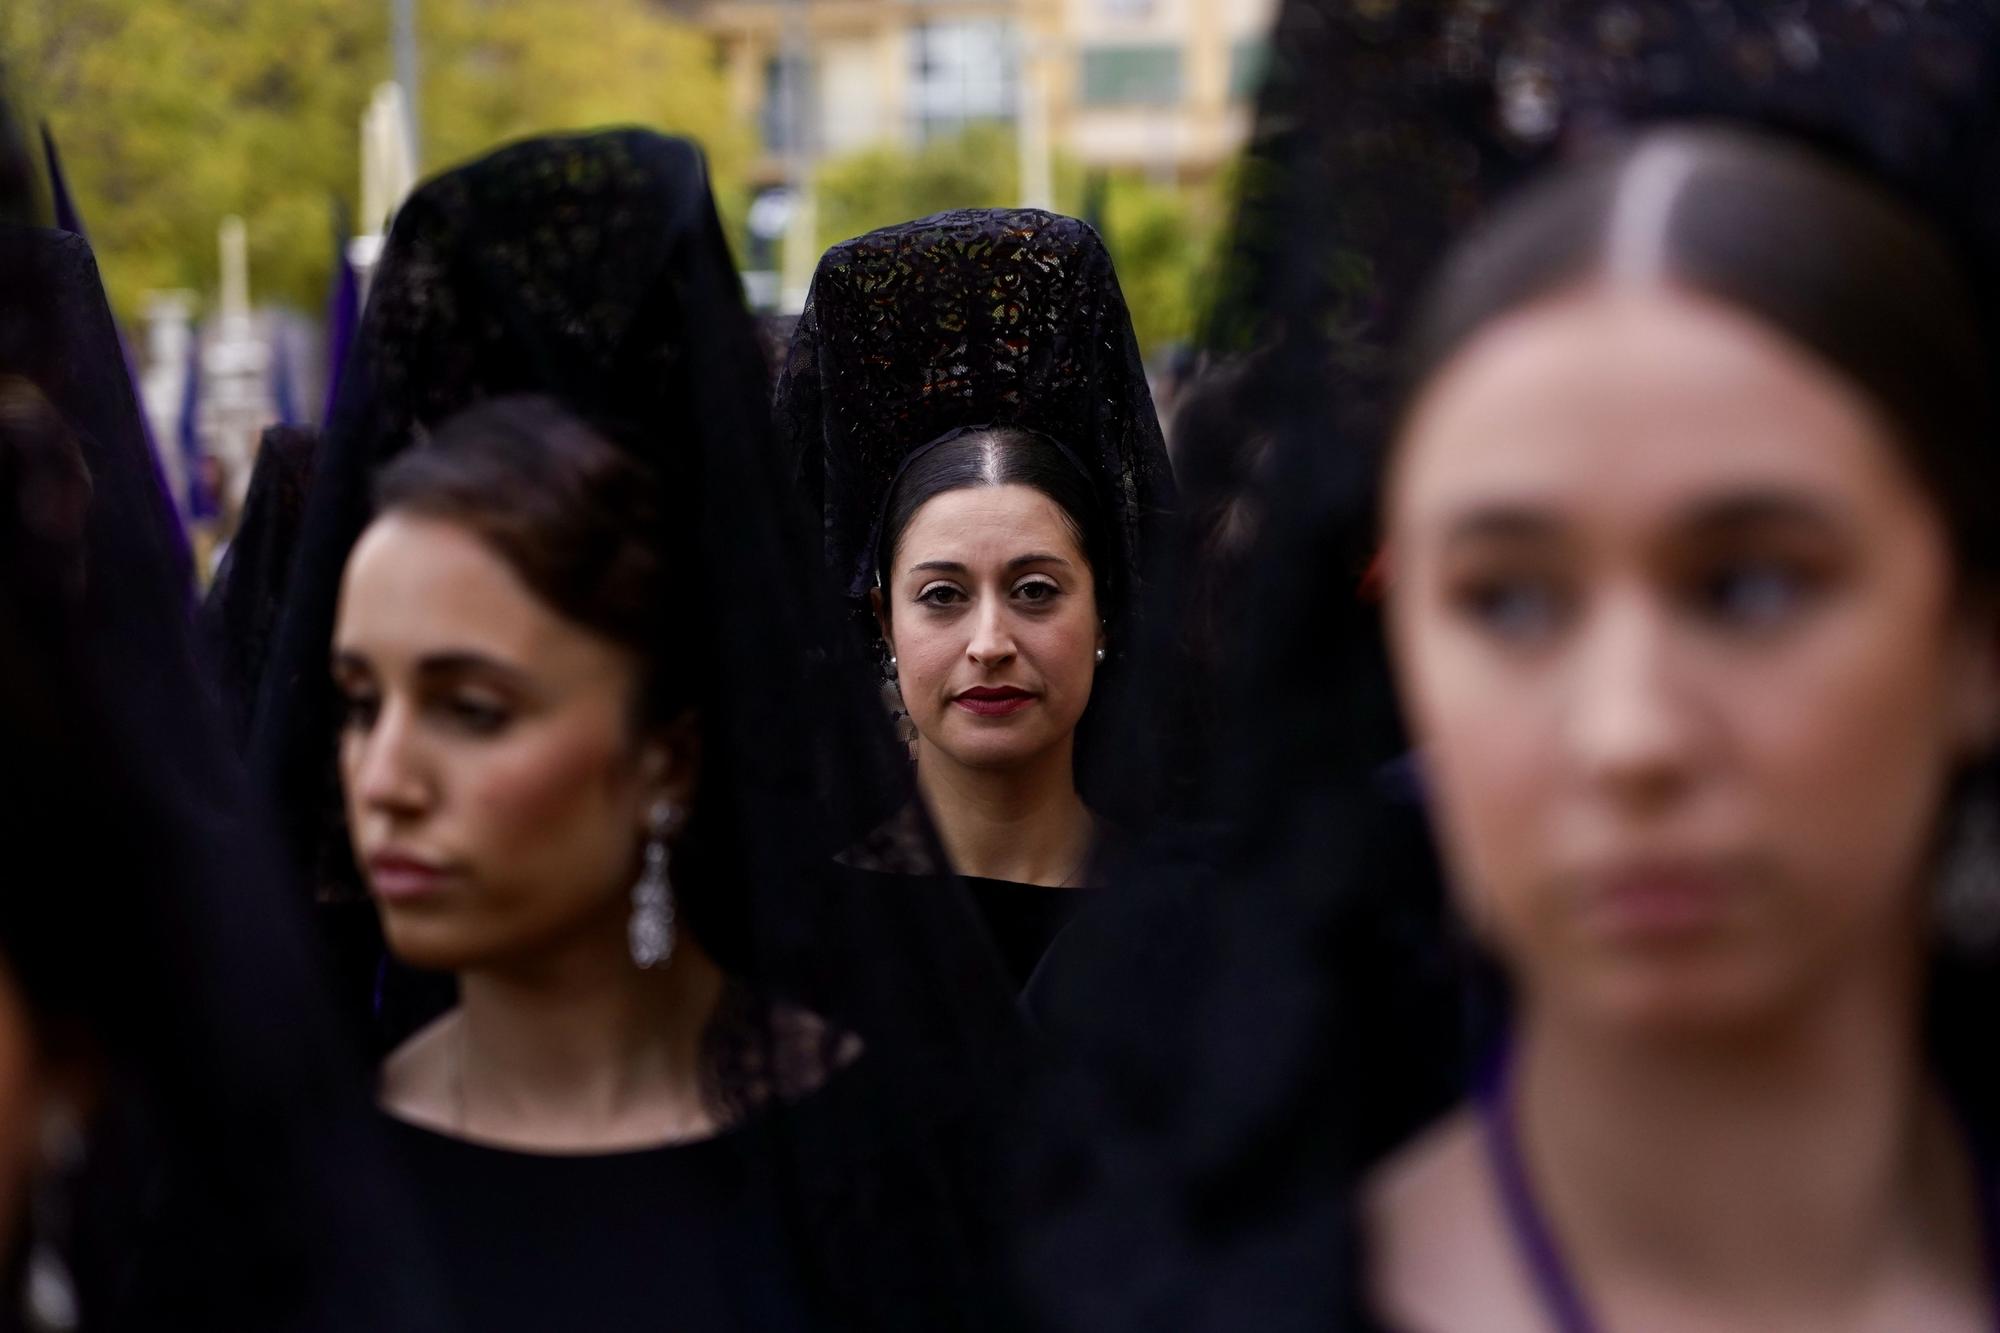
[
  {"x": 999, "y": 455},
  {"x": 576, "y": 517},
  {"x": 1888, "y": 298},
  {"x": 1815, "y": 251}
]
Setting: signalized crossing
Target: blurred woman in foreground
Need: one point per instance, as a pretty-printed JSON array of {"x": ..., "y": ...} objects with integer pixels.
[
  {"x": 1693, "y": 608},
  {"x": 1694, "y": 601}
]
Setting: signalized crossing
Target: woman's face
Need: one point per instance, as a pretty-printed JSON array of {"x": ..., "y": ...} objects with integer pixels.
[
  {"x": 991, "y": 612},
  {"x": 1681, "y": 641},
  {"x": 496, "y": 794}
]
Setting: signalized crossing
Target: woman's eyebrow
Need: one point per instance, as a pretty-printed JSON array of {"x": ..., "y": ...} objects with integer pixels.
[
  {"x": 1503, "y": 522},
  {"x": 466, "y": 662},
  {"x": 1725, "y": 514}
]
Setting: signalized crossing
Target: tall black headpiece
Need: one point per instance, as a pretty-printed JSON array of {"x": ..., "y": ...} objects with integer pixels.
[
  {"x": 1314, "y": 992},
  {"x": 975, "y": 317},
  {"x": 593, "y": 269},
  {"x": 1388, "y": 129},
  {"x": 561, "y": 266}
]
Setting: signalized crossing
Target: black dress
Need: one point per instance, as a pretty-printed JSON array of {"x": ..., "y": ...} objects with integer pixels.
[
  {"x": 1023, "y": 920},
  {"x": 594, "y": 269},
  {"x": 688, "y": 1236}
]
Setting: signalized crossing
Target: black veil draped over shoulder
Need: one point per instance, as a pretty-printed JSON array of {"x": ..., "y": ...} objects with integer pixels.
[
  {"x": 1261, "y": 1017},
  {"x": 231, "y": 1177},
  {"x": 240, "y": 613},
  {"x": 978, "y": 317},
  {"x": 593, "y": 269}
]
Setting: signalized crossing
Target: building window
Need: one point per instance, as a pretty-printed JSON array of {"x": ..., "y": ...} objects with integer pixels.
[
  {"x": 1131, "y": 75},
  {"x": 1249, "y": 57},
  {"x": 962, "y": 73},
  {"x": 785, "y": 118}
]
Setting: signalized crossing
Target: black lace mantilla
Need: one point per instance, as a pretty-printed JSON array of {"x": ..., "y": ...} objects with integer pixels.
[
  {"x": 989, "y": 316},
  {"x": 1388, "y": 126},
  {"x": 1008, "y": 316}
]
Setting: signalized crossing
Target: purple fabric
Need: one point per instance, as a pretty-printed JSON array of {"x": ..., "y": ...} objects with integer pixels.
[
  {"x": 200, "y": 504},
  {"x": 284, "y": 386},
  {"x": 1535, "y": 1240},
  {"x": 343, "y": 315}
]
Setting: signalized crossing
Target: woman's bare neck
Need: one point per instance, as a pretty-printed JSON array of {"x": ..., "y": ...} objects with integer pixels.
[
  {"x": 1812, "y": 1181},
  {"x": 577, "y": 1053},
  {"x": 1028, "y": 825}
]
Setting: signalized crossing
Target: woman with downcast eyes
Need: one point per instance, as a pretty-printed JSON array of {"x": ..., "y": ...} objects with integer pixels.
[
  {"x": 652, "y": 1056},
  {"x": 518, "y": 750}
]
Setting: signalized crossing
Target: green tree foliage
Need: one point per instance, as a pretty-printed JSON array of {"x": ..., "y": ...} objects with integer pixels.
[
  {"x": 1161, "y": 237},
  {"x": 879, "y": 186},
  {"x": 1164, "y": 239},
  {"x": 500, "y": 69},
  {"x": 170, "y": 116}
]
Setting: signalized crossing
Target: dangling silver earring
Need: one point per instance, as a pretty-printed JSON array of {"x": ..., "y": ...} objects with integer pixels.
[
  {"x": 651, "y": 931},
  {"x": 1100, "y": 657},
  {"x": 889, "y": 672},
  {"x": 48, "y": 1291},
  {"x": 1968, "y": 895}
]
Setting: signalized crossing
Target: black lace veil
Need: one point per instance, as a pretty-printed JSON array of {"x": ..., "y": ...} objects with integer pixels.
[
  {"x": 976, "y": 317},
  {"x": 1262, "y": 1016},
  {"x": 593, "y": 269},
  {"x": 232, "y": 1177}
]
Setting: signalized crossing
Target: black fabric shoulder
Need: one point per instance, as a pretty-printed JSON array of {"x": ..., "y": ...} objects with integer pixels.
[
  {"x": 239, "y": 615},
  {"x": 233, "y": 1178}
]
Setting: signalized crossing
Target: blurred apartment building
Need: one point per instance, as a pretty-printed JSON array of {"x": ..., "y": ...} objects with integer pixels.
[{"x": 1161, "y": 86}]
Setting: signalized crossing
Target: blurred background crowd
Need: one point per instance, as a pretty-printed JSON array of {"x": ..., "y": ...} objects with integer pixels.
[{"x": 235, "y": 161}]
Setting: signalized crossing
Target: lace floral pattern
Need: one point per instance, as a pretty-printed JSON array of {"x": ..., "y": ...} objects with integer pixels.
[
  {"x": 1007, "y": 316},
  {"x": 1388, "y": 125},
  {"x": 1000, "y": 315}
]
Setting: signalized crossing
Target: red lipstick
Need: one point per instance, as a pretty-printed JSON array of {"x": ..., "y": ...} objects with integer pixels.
[
  {"x": 993, "y": 700},
  {"x": 398, "y": 877}
]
